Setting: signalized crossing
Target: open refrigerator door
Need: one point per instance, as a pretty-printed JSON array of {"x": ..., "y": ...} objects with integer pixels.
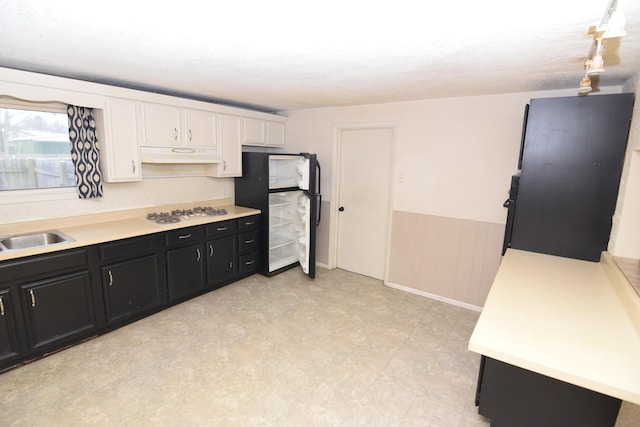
[
  {"x": 303, "y": 231},
  {"x": 304, "y": 173}
]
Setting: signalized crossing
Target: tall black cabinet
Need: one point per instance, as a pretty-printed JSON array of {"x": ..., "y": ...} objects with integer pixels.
[{"x": 572, "y": 161}]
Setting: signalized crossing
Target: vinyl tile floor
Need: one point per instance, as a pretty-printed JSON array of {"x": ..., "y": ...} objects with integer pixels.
[{"x": 340, "y": 350}]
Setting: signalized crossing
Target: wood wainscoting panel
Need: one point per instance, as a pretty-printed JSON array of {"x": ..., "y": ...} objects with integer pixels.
[{"x": 455, "y": 259}]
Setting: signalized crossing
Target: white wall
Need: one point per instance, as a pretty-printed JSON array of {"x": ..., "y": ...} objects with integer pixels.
[
  {"x": 456, "y": 155},
  {"x": 625, "y": 234}
]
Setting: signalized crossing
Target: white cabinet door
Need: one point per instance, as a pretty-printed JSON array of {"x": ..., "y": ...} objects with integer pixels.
[
  {"x": 275, "y": 133},
  {"x": 262, "y": 132},
  {"x": 160, "y": 124},
  {"x": 200, "y": 129},
  {"x": 230, "y": 134},
  {"x": 254, "y": 131},
  {"x": 118, "y": 139}
]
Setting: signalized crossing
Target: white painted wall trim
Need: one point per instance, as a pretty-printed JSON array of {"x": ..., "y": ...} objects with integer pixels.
[{"x": 434, "y": 297}]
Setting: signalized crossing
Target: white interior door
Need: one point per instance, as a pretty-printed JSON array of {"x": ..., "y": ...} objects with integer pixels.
[{"x": 365, "y": 157}]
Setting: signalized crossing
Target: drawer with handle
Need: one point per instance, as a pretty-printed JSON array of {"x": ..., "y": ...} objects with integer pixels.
[
  {"x": 184, "y": 236},
  {"x": 248, "y": 242},
  {"x": 221, "y": 228},
  {"x": 249, "y": 263},
  {"x": 248, "y": 223}
]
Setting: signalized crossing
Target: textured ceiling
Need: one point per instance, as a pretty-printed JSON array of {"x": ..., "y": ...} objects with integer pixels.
[{"x": 285, "y": 55}]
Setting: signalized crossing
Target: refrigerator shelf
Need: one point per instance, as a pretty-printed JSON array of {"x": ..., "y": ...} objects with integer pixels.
[
  {"x": 277, "y": 223},
  {"x": 282, "y": 182},
  {"x": 276, "y": 262},
  {"x": 279, "y": 204},
  {"x": 277, "y": 241}
]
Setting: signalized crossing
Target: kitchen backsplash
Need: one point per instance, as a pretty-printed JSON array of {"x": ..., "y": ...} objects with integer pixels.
[{"x": 146, "y": 193}]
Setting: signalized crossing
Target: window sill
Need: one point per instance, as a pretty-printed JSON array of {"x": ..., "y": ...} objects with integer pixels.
[{"x": 38, "y": 195}]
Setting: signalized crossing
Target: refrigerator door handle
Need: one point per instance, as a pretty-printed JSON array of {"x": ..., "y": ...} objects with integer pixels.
[
  {"x": 506, "y": 203},
  {"x": 318, "y": 175},
  {"x": 319, "y": 207}
]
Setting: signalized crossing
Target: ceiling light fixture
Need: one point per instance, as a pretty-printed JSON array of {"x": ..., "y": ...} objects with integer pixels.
[
  {"x": 585, "y": 85},
  {"x": 611, "y": 26},
  {"x": 596, "y": 63}
]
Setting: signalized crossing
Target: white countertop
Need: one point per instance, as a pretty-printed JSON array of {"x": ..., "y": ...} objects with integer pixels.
[
  {"x": 109, "y": 226},
  {"x": 576, "y": 321}
]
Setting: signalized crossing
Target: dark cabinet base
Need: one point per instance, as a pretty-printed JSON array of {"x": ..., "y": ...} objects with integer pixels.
[
  {"x": 58, "y": 308},
  {"x": 514, "y": 397},
  {"x": 48, "y": 302},
  {"x": 9, "y": 347}
]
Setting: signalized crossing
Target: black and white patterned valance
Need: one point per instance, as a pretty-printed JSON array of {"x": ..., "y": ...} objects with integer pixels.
[{"x": 85, "y": 153}]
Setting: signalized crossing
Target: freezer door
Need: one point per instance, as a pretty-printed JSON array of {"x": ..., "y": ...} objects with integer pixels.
[
  {"x": 303, "y": 230},
  {"x": 288, "y": 171},
  {"x": 304, "y": 173}
]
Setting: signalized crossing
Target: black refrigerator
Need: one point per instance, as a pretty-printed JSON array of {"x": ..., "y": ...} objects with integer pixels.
[
  {"x": 572, "y": 152},
  {"x": 286, "y": 189}
]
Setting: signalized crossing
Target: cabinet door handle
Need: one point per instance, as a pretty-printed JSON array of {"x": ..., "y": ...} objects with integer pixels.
[
  {"x": 1, "y": 307},
  {"x": 190, "y": 135},
  {"x": 249, "y": 223},
  {"x": 110, "y": 278},
  {"x": 133, "y": 166},
  {"x": 198, "y": 252},
  {"x": 224, "y": 165},
  {"x": 184, "y": 236},
  {"x": 221, "y": 228},
  {"x": 175, "y": 134},
  {"x": 250, "y": 262},
  {"x": 230, "y": 265},
  {"x": 210, "y": 250},
  {"x": 249, "y": 241},
  {"x": 33, "y": 298}
]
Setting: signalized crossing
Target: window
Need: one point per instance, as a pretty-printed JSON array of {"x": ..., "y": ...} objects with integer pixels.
[{"x": 35, "y": 151}]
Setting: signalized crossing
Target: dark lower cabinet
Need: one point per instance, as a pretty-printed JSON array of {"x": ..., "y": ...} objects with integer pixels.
[
  {"x": 132, "y": 277},
  {"x": 248, "y": 264},
  {"x": 514, "y": 397},
  {"x": 222, "y": 265},
  {"x": 248, "y": 245},
  {"x": 185, "y": 262},
  {"x": 9, "y": 346},
  {"x": 221, "y": 262},
  {"x": 53, "y": 300},
  {"x": 185, "y": 271},
  {"x": 131, "y": 287},
  {"x": 46, "y": 302},
  {"x": 57, "y": 308}
]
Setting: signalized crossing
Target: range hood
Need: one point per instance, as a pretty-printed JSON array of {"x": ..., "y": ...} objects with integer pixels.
[{"x": 158, "y": 154}]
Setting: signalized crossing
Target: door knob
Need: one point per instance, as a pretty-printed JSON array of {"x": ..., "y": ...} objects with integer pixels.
[{"x": 341, "y": 208}]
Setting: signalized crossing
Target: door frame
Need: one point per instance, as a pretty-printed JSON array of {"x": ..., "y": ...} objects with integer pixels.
[{"x": 335, "y": 186}]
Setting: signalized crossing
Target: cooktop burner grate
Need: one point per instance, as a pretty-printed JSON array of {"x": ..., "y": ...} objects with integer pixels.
[{"x": 178, "y": 215}]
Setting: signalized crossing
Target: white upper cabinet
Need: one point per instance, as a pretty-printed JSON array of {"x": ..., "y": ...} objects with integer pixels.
[
  {"x": 160, "y": 125},
  {"x": 200, "y": 128},
  {"x": 167, "y": 125},
  {"x": 262, "y": 132},
  {"x": 254, "y": 131},
  {"x": 275, "y": 133},
  {"x": 118, "y": 139},
  {"x": 230, "y": 134},
  {"x": 171, "y": 134}
]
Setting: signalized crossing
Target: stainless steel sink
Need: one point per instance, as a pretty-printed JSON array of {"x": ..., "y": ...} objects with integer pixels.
[{"x": 33, "y": 240}]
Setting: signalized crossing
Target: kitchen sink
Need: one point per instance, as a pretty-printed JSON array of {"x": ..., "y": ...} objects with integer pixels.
[{"x": 33, "y": 240}]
